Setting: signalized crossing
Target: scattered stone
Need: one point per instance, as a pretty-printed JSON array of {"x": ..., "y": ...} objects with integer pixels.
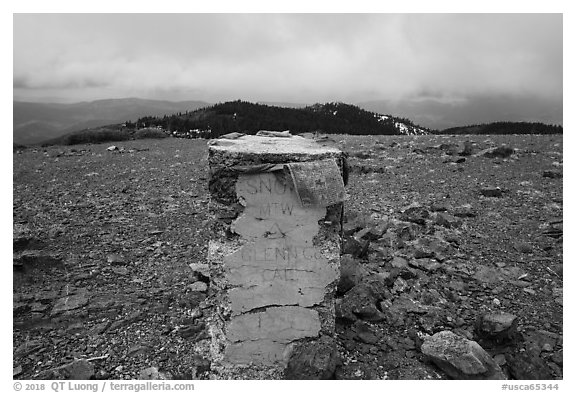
[
  {"x": 16, "y": 371},
  {"x": 554, "y": 231},
  {"x": 488, "y": 275},
  {"x": 55, "y": 232},
  {"x": 552, "y": 174},
  {"x": 358, "y": 248},
  {"x": 461, "y": 149},
  {"x": 191, "y": 330},
  {"x": 403, "y": 231},
  {"x": 493, "y": 192},
  {"x": 557, "y": 293},
  {"x": 460, "y": 358},
  {"x": 447, "y": 148},
  {"x": 21, "y": 237},
  {"x": 112, "y": 148},
  {"x": 138, "y": 349},
  {"x": 498, "y": 326},
  {"x": 313, "y": 360},
  {"x": 438, "y": 207},
  {"x": 431, "y": 247},
  {"x": 426, "y": 264},
  {"x": 400, "y": 285},
  {"x": 540, "y": 339},
  {"x": 78, "y": 369},
  {"x": 27, "y": 348},
  {"x": 354, "y": 371},
  {"x": 447, "y": 220},
  {"x": 558, "y": 357},
  {"x": 351, "y": 273},
  {"x": 121, "y": 270},
  {"x": 500, "y": 359},
  {"x": 198, "y": 286},
  {"x": 557, "y": 269},
  {"x": 150, "y": 373},
  {"x": 399, "y": 263},
  {"x": 350, "y": 227},
  {"x": 130, "y": 318},
  {"x": 465, "y": 148},
  {"x": 415, "y": 213},
  {"x": 375, "y": 232},
  {"x": 528, "y": 365},
  {"x": 69, "y": 303},
  {"x": 464, "y": 211},
  {"x": 201, "y": 270},
  {"x": 39, "y": 307},
  {"x": 403, "y": 304},
  {"x": 362, "y": 155},
  {"x": 100, "y": 328},
  {"x": 365, "y": 333},
  {"x": 496, "y": 152},
  {"x": 523, "y": 247},
  {"x": 29, "y": 260},
  {"x": 115, "y": 260},
  {"x": 359, "y": 303}
]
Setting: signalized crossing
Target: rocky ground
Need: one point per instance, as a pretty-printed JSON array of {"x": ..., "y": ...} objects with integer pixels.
[{"x": 450, "y": 244}]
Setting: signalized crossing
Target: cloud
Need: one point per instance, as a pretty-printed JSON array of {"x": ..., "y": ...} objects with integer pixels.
[{"x": 294, "y": 57}]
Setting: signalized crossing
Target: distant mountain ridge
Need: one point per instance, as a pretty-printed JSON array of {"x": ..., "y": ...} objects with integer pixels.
[
  {"x": 247, "y": 117},
  {"x": 35, "y": 122},
  {"x": 503, "y": 128},
  {"x": 38, "y": 122}
]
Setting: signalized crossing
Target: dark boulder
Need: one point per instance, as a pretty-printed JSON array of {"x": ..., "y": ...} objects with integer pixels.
[
  {"x": 313, "y": 360},
  {"x": 351, "y": 273}
]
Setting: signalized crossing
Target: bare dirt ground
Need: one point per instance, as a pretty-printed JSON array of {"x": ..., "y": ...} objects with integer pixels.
[{"x": 103, "y": 241}]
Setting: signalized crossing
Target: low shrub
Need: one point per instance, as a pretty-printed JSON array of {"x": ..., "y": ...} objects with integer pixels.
[
  {"x": 99, "y": 135},
  {"x": 150, "y": 133}
]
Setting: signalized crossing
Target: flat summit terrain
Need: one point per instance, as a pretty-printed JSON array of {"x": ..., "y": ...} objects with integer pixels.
[{"x": 442, "y": 233}]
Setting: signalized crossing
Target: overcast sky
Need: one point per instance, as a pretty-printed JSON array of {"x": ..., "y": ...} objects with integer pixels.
[{"x": 301, "y": 58}]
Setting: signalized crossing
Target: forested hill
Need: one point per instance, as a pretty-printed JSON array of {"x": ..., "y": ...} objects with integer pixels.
[
  {"x": 505, "y": 127},
  {"x": 247, "y": 117}
]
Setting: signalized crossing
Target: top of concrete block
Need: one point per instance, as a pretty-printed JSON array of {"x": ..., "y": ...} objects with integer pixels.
[{"x": 251, "y": 144}]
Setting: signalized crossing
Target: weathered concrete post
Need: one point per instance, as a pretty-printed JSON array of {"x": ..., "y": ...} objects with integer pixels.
[{"x": 274, "y": 256}]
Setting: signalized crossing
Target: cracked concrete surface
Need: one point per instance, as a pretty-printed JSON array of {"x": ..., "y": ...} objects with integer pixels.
[
  {"x": 274, "y": 266},
  {"x": 277, "y": 266}
]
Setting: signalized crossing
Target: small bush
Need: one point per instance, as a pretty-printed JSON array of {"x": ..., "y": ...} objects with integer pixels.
[
  {"x": 99, "y": 135},
  {"x": 150, "y": 133},
  {"x": 18, "y": 146}
]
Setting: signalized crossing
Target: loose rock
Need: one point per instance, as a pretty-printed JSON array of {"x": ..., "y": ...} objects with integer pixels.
[
  {"x": 552, "y": 174},
  {"x": 78, "y": 369},
  {"x": 313, "y": 360},
  {"x": 460, "y": 358},
  {"x": 499, "y": 326},
  {"x": 351, "y": 273},
  {"x": 497, "y": 152},
  {"x": 494, "y": 192},
  {"x": 446, "y": 220},
  {"x": 359, "y": 303},
  {"x": 198, "y": 286},
  {"x": 68, "y": 303},
  {"x": 528, "y": 365}
]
